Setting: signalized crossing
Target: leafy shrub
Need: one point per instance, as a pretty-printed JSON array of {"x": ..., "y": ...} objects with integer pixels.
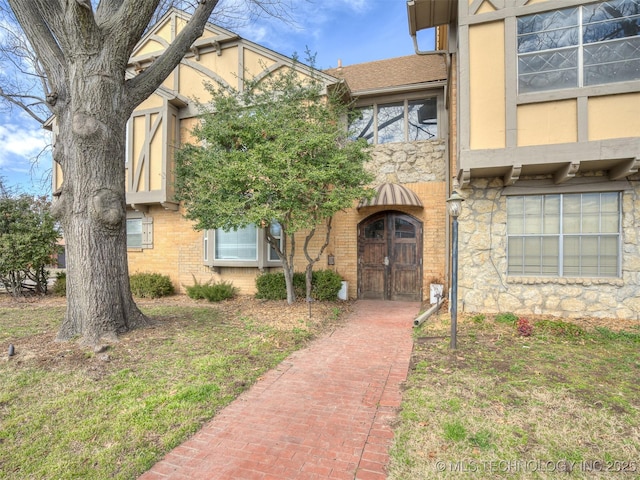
[
  {"x": 558, "y": 327},
  {"x": 325, "y": 285},
  {"x": 59, "y": 287},
  {"x": 150, "y": 285},
  {"x": 215, "y": 292},
  {"x": 525, "y": 329},
  {"x": 506, "y": 318},
  {"x": 271, "y": 286}
]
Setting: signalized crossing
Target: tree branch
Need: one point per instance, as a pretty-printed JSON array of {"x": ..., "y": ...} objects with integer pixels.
[
  {"x": 143, "y": 85},
  {"x": 41, "y": 36},
  {"x": 13, "y": 100},
  {"x": 106, "y": 10}
]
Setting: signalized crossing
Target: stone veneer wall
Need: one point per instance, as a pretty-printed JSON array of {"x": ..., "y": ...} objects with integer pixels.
[
  {"x": 484, "y": 285},
  {"x": 412, "y": 162}
]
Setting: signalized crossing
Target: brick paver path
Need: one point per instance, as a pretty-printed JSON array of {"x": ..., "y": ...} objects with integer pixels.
[{"x": 323, "y": 413}]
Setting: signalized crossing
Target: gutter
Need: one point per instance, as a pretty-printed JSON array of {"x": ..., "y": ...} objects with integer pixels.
[{"x": 422, "y": 317}]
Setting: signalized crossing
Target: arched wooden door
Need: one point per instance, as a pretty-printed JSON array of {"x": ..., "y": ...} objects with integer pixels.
[{"x": 390, "y": 257}]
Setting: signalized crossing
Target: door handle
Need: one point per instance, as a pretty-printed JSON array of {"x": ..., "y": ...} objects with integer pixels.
[{"x": 386, "y": 261}]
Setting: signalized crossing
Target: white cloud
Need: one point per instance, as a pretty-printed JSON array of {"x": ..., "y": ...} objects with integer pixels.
[{"x": 20, "y": 144}]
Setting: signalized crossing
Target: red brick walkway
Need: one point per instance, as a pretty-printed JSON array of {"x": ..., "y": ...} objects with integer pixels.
[{"x": 323, "y": 413}]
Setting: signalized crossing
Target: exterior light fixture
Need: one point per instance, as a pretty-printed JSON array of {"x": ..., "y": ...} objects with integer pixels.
[{"x": 454, "y": 205}]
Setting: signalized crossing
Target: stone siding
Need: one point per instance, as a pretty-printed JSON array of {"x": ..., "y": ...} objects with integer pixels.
[
  {"x": 485, "y": 287},
  {"x": 411, "y": 162}
]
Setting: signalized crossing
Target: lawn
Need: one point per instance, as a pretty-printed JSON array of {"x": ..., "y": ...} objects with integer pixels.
[
  {"x": 564, "y": 401},
  {"x": 69, "y": 412}
]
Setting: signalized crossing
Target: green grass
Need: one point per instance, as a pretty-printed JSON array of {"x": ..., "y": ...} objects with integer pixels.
[
  {"x": 566, "y": 395},
  {"x": 66, "y": 412}
]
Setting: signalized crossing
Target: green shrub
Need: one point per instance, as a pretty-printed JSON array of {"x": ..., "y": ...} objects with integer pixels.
[
  {"x": 300, "y": 285},
  {"x": 271, "y": 286},
  {"x": 150, "y": 285},
  {"x": 506, "y": 318},
  {"x": 325, "y": 285},
  {"x": 214, "y": 292},
  {"x": 479, "y": 318},
  {"x": 559, "y": 327},
  {"x": 59, "y": 288}
]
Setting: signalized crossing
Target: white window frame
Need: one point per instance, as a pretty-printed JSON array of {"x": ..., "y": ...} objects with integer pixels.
[
  {"x": 556, "y": 236},
  {"x": 263, "y": 260}
]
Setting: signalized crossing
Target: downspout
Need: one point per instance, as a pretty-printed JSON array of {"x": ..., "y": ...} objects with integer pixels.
[{"x": 448, "y": 63}]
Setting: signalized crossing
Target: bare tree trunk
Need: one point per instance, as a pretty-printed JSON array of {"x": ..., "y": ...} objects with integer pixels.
[
  {"x": 91, "y": 207},
  {"x": 84, "y": 55}
]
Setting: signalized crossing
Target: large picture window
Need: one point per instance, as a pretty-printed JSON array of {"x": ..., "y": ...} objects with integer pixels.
[
  {"x": 592, "y": 44},
  {"x": 403, "y": 121},
  {"x": 244, "y": 247},
  {"x": 241, "y": 244},
  {"x": 571, "y": 235}
]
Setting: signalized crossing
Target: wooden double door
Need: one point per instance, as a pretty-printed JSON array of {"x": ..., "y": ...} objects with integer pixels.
[{"x": 390, "y": 257}]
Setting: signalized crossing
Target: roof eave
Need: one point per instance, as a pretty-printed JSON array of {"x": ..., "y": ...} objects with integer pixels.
[{"x": 424, "y": 14}]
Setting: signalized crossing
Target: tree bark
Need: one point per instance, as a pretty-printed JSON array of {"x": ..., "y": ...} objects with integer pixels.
[
  {"x": 85, "y": 57},
  {"x": 92, "y": 206}
]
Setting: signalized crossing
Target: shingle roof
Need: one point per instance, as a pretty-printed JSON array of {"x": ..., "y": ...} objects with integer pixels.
[{"x": 393, "y": 72}]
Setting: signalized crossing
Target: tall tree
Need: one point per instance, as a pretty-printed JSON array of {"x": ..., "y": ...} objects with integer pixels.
[
  {"x": 82, "y": 49},
  {"x": 275, "y": 154},
  {"x": 28, "y": 237}
]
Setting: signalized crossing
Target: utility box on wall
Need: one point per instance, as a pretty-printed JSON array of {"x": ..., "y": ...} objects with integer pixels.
[{"x": 435, "y": 292}]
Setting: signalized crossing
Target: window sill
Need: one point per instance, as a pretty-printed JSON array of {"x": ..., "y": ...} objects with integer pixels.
[
  {"x": 134, "y": 249},
  {"x": 585, "y": 281}
]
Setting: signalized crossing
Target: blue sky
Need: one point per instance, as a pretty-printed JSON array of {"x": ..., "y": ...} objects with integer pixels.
[{"x": 354, "y": 31}]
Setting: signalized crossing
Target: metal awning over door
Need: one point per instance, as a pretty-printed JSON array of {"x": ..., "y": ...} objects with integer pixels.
[{"x": 392, "y": 195}]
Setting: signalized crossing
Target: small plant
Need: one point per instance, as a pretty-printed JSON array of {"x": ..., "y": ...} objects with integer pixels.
[
  {"x": 506, "y": 318},
  {"x": 454, "y": 431},
  {"x": 525, "y": 329},
  {"x": 559, "y": 327},
  {"x": 214, "y": 292},
  {"x": 150, "y": 285},
  {"x": 59, "y": 287},
  {"x": 480, "y": 318}
]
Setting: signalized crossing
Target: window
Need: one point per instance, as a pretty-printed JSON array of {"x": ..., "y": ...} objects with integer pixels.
[
  {"x": 139, "y": 231},
  {"x": 581, "y": 46},
  {"x": 244, "y": 247},
  {"x": 241, "y": 244},
  {"x": 571, "y": 235},
  {"x": 276, "y": 231},
  {"x": 404, "y": 121}
]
